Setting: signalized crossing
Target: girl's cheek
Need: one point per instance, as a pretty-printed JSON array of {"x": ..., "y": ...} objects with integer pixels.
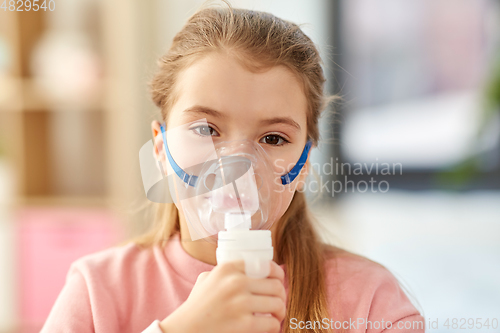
[{"x": 282, "y": 166}]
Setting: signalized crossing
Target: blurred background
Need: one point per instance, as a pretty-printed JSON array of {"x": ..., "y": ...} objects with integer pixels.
[{"x": 410, "y": 156}]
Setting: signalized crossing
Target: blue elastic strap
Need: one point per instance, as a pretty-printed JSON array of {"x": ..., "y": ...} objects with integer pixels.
[
  {"x": 186, "y": 178},
  {"x": 192, "y": 179},
  {"x": 289, "y": 177}
]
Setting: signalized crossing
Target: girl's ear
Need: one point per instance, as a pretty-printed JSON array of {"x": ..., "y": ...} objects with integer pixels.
[{"x": 157, "y": 140}]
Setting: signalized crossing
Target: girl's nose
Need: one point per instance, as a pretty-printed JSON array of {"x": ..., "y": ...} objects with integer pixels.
[{"x": 234, "y": 147}]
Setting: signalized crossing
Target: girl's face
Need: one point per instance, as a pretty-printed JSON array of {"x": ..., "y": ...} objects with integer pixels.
[{"x": 266, "y": 107}]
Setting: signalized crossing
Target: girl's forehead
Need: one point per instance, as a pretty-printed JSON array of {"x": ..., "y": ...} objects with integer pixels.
[{"x": 222, "y": 83}]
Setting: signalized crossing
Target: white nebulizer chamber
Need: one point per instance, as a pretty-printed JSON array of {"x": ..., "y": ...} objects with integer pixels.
[
  {"x": 253, "y": 246},
  {"x": 238, "y": 201}
]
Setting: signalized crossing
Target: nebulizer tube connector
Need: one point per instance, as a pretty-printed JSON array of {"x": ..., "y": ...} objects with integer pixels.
[{"x": 238, "y": 221}]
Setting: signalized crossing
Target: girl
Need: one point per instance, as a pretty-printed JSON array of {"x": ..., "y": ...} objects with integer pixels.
[{"x": 252, "y": 76}]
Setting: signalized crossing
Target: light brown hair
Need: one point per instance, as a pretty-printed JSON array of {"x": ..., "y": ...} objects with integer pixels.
[{"x": 259, "y": 40}]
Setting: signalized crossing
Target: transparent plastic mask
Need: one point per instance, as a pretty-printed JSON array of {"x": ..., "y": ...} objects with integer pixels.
[
  {"x": 240, "y": 180},
  {"x": 206, "y": 180}
]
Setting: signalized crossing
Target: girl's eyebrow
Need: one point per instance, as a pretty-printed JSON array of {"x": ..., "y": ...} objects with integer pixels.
[
  {"x": 281, "y": 120},
  {"x": 197, "y": 109}
]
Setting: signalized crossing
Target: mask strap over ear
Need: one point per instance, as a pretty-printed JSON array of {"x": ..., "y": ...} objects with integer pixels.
[
  {"x": 290, "y": 176},
  {"x": 186, "y": 178}
]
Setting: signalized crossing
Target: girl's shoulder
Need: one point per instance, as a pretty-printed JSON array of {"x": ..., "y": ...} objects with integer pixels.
[
  {"x": 349, "y": 270},
  {"x": 366, "y": 288},
  {"x": 347, "y": 265},
  {"x": 112, "y": 263}
]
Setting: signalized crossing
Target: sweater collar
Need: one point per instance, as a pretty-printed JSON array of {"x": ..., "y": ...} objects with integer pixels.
[{"x": 184, "y": 264}]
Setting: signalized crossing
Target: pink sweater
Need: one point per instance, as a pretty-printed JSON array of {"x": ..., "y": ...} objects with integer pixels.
[{"x": 127, "y": 289}]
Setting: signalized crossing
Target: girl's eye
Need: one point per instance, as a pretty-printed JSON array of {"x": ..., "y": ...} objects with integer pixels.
[
  {"x": 274, "y": 140},
  {"x": 205, "y": 130}
]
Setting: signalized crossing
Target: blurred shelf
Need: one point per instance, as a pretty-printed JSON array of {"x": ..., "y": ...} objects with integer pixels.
[
  {"x": 25, "y": 94},
  {"x": 10, "y": 94},
  {"x": 35, "y": 98},
  {"x": 69, "y": 142}
]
